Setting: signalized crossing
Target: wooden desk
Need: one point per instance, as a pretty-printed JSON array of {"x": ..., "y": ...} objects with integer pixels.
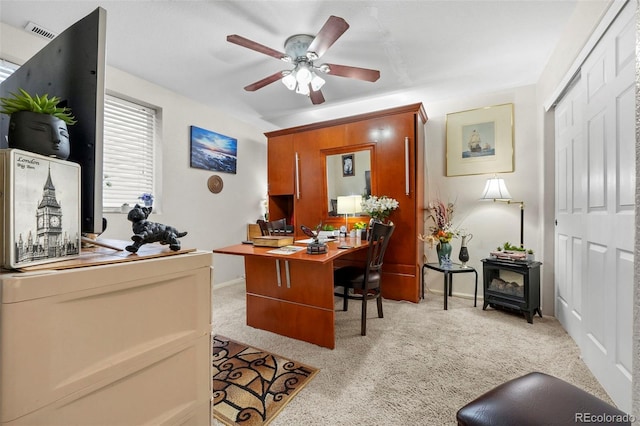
[{"x": 292, "y": 294}]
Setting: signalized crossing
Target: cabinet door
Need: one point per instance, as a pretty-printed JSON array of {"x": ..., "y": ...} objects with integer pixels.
[
  {"x": 394, "y": 176},
  {"x": 310, "y": 199},
  {"x": 280, "y": 165}
]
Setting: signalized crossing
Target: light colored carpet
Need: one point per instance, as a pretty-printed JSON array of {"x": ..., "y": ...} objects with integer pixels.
[{"x": 417, "y": 365}]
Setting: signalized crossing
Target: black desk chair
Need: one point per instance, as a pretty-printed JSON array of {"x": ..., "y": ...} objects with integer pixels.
[
  {"x": 365, "y": 281},
  {"x": 274, "y": 227}
]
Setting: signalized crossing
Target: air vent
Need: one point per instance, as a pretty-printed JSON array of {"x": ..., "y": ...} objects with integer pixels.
[{"x": 38, "y": 30}]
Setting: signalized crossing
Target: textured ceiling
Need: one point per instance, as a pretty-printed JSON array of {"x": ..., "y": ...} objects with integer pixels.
[{"x": 425, "y": 50}]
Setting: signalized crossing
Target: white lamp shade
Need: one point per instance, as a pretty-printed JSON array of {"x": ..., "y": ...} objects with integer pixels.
[
  {"x": 316, "y": 82},
  {"x": 349, "y": 204},
  {"x": 495, "y": 189},
  {"x": 303, "y": 75},
  {"x": 289, "y": 80}
]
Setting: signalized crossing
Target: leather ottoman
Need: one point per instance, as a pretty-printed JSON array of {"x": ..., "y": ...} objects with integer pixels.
[{"x": 539, "y": 399}]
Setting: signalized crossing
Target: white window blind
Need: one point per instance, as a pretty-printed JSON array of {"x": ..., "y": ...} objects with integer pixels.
[
  {"x": 6, "y": 69},
  {"x": 129, "y": 135},
  {"x": 129, "y": 141}
]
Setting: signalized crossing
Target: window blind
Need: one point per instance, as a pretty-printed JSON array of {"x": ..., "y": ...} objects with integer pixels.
[
  {"x": 128, "y": 160},
  {"x": 6, "y": 69}
]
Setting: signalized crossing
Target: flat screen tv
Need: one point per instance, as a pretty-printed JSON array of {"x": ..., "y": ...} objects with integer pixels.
[{"x": 72, "y": 67}]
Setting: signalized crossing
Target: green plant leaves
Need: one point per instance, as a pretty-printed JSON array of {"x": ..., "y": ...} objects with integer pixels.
[{"x": 38, "y": 104}]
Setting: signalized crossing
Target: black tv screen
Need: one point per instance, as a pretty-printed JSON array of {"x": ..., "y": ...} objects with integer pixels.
[{"x": 72, "y": 67}]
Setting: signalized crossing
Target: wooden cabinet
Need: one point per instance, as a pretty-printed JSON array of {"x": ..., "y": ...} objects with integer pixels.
[
  {"x": 397, "y": 170},
  {"x": 291, "y": 298},
  {"x": 280, "y": 165}
]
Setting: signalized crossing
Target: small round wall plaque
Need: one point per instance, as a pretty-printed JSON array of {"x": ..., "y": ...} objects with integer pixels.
[{"x": 215, "y": 184}]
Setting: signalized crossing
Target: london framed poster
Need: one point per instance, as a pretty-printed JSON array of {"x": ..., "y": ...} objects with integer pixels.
[
  {"x": 40, "y": 199},
  {"x": 480, "y": 141}
]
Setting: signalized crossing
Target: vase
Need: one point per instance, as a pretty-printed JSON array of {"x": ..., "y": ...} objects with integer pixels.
[
  {"x": 444, "y": 252},
  {"x": 463, "y": 256},
  {"x": 43, "y": 134}
]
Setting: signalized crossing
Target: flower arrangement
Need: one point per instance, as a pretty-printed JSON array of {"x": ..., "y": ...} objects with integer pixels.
[
  {"x": 442, "y": 229},
  {"x": 359, "y": 225},
  {"x": 146, "y": 198},
  {"x": 379, "y": 207}
]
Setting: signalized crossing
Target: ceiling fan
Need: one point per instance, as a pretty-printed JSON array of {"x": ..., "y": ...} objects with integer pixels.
[{"x": 301, "y": 51}]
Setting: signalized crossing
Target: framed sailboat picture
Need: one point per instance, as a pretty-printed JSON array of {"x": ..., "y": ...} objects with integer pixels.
[{"x": 480, "y": 141}]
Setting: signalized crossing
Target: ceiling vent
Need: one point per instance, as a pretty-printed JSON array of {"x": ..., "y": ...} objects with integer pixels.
[{"x": 38, "y": 30}]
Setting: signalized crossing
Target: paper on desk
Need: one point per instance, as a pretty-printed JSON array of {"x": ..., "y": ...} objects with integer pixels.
[
  {"x": 305, "y": 241},
  {"x": 286, "y": 250},
  {"x": 310, "y": 240}
]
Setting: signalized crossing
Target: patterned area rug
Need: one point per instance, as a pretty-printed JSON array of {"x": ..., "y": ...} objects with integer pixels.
[{"x": 250, "y": 385}]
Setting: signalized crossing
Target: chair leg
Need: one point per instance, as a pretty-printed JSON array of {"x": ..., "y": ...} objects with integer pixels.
[
  {"x": 379, "y": 301},
  {"x": 363, "y": 320},
  {"x": 345, "y": 299}
]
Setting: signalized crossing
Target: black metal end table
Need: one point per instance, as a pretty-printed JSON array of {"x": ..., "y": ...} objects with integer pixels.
[{"x": 448, "y": 272}]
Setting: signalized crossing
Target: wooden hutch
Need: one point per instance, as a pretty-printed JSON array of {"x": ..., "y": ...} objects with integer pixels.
[{"x": 393, "y": 140}]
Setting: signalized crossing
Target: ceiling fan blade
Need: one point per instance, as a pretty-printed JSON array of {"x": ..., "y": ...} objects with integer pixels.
[
  {"x": 353, "y": 72},
  {"x": 250, "y": 44},
  {"x": 329, "y": 33},
  {"x": 316, "y": 96},
  {"x": 264, "y": 82}
]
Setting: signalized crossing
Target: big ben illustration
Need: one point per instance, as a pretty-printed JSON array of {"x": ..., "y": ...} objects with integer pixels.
[{"x": 49, "y": 219}]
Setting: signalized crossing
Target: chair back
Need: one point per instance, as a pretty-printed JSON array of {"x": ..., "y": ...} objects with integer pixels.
[
  {"x": 273, "y": 227},
  {"x": 264, "y": 229},
  {"x": 378, "y": 242}
]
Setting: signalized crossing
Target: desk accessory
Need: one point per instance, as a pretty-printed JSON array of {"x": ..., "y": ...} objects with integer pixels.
[
  {"x": 272, "y": 241},
  {"x": 315, "y": 247}
]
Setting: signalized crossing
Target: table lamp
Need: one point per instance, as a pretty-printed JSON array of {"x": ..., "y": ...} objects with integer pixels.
[
  {"x": 349, "y": 204},
  {"x": 496, "y": 190}
]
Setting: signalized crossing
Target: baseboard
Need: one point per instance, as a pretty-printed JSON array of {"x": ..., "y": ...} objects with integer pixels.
[{"x": 228, "y": 283}]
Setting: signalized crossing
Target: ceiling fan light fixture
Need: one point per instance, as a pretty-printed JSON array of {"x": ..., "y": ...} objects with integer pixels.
[
  {"x": 316, "y": 82},
  {"x": 324, "y": 68},
  {"x": 289, "y": 80},
  {"x": 303, "y": 89},
  {"x": 303, "y": 75}
]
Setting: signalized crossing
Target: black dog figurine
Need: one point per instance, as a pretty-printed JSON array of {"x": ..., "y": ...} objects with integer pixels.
[{"x": 150, "y": 232}]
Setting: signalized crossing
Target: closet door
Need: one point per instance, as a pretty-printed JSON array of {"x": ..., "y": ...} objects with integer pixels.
[{"x": 595, "y": 189}]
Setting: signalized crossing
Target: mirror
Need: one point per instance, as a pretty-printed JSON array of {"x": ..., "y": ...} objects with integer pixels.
[{"x": 348, "y": 172}]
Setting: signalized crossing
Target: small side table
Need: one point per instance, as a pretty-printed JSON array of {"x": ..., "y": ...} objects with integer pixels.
[{"x": 455, "y": 268}]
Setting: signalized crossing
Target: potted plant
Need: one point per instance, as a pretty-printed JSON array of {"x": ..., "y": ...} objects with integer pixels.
[
  {"x": 37, "y": 124},
  {"x": 360, "y": 230},
  {"x": 531, "y": 255}
]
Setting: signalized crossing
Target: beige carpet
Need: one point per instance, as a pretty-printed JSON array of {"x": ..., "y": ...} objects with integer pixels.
[
  {"x": 251, "y": 385},
  {"x": 418, "y": 365}
]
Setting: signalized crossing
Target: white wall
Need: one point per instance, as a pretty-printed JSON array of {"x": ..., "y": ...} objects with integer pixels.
[
  {"x": 492, "y": 224},
  {"x": 183, "y": 199}
]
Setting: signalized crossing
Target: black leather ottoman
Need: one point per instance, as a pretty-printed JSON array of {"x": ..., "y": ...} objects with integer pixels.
[{"x": 539, "y": 399}]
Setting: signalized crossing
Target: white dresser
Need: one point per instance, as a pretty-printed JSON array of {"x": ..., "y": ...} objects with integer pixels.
[{"x": 114, "y": 344}]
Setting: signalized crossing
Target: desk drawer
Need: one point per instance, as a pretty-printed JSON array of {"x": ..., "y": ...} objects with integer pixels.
[
  {"x": 311, "y": 324},
  {"x": 301, "y": 282}
]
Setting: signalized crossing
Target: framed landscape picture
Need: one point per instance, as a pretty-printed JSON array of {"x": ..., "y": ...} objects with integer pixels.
[
  {"x": 480, "y": 141},
  {"x": 213, "y": 151}
]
